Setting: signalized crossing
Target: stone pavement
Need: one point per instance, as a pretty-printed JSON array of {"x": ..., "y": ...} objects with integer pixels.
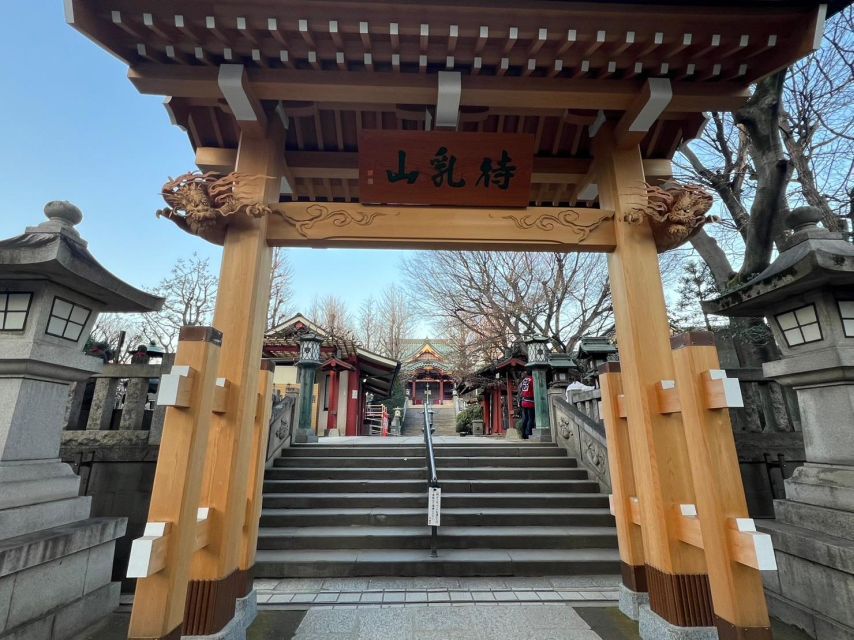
[
  {"x": 398, "y": 592},
  {"x": 512, "y": 608}
]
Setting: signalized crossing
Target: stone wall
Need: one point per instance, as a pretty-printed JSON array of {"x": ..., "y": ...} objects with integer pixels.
[{"x": 582, "y": 434}]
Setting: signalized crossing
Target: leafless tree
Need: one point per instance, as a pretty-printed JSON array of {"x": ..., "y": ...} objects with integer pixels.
[
  {"x": 190, "y": 297},
  {"x": 281, "y": 289},
  {"x": 368, "y": 324},
  {"x": 331, "y": 313},
  {"x": 189, "y": 292},
  {"x": 792, "y": 142},
  {"x": 397, "y": 320},
  {"x": 503, "y": 297}
]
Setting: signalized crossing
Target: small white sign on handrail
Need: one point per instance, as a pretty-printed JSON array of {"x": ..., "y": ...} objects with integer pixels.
[{"x": 434, "y": 506}]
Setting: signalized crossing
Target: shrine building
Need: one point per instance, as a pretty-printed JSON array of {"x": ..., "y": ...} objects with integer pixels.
[
  {"x": 350, "y": 378},
  {"x": 426, "y": 366}
]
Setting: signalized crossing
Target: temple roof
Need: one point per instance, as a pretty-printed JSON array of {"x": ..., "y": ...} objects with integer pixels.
[
  {"x": 55, "y": 251},
  {"x": 809, "y": 259},
  {"x": 281, "y": 343},
  {"x": 553, "y": 69}
]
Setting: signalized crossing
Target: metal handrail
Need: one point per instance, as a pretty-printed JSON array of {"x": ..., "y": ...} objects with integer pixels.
[{"x": 432, "y": 475}]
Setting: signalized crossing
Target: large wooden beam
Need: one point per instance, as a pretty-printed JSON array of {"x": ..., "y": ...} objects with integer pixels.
[
  {"x": 345, "y": 165},
  {"x": 365, "y": 88},
  {"x": 331, "y": 224}
]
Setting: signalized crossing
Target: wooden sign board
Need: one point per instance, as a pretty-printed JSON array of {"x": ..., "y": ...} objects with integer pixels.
[{"x": 445, "y": 168}]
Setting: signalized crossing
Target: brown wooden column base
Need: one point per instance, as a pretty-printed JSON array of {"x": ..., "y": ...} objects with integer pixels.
[
  {"x": 175, "y": 634},
  {"x": 684, "y": 600},
  {"x": 728, "y": 631},
  {"x": 634, "y": 577},
  {"x": 210, "y": 604},
  {"x": 244, "y": 581}
]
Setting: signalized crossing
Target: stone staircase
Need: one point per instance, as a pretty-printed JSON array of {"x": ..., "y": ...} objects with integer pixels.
[
  {"x": 444, "y": 420},
  {"x": 507, "y": 509}
]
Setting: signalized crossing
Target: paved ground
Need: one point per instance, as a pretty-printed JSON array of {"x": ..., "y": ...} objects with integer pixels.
[
  {"x": 555, "y": 608},
  {"x": 388, "y": 592}
]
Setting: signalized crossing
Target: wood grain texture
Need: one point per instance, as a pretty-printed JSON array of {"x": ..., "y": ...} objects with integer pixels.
[
  {"x": 659, "y": 449},
  {"x": 159, "y": 602},
  {"x": 623, "y": 487},
  {"x": 306, "y": 224},
  {"x": 249, "y": 534},
  {"x": 736, "y": 588},
  {"x": 240, "y": 313}
]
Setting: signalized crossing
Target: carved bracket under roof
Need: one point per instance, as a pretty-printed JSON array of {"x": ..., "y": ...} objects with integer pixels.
[
  {"x": 201, "y": 203},
  {"x": 676, "y": 212}
]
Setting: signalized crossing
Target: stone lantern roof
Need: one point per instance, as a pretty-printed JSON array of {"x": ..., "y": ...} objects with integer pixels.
[
  {"x": 810, "y": 258},
  {"x": 55, "y": 251}
]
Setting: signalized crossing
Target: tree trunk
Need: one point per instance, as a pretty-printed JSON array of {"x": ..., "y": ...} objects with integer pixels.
[{"x": 760, "y": 117}]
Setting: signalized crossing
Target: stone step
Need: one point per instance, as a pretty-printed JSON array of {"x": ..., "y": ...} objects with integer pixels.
[
  {"x": 451, "y": 562},
  {"x": 449, "y": 500},
  {"x": 419, "y": 462},
  {"x": 394, "y": 485},
  {"x": 414, "y": 516},
  {"x": 418, "y": 473},
  {"x": 397, "y": 451},
  {"x": 418, "y": 537}
]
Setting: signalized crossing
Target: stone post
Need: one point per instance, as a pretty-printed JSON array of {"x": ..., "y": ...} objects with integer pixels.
[
  {"x": 538, "y": 363},
  {"x": 308, "y": 363},
  {"x": 58, "y": 580}
]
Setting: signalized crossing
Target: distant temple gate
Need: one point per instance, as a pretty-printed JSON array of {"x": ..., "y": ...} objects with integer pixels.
[{"x": 276, "y": 98}]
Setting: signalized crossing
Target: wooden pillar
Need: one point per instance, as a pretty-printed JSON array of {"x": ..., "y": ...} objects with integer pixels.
[
  {"x": 243, "y": 295},
  {"x": 441, "y": 391},
  {"x": 624, "y": 493},
  {"x": 332, "y": 417},
  {"x": 161, "y": 558},
  {"x": 675, "y": 571},
  {"x": 734, "y": 552},
  {"x": 487, "y": 400},
  {"x": 511, "y": 422},
  {"x": 353, "y": 402},
  {"x": 496, "y": 409},
  {"x": 261, "y": 430}
]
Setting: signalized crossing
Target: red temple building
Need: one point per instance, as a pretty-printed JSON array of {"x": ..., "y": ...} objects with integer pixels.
[
  {"x": 426, "y": 366},
  {"x": 350, "y": 380}
]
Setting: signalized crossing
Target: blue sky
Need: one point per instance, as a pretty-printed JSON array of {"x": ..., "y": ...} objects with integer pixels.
[{"x": 74, "y": 128}]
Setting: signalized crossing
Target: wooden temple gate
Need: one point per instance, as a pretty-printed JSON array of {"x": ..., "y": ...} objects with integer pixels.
[{"x": 277, "y": 97}]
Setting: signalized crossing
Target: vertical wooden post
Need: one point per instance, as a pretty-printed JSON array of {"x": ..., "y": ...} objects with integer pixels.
[
  {"x": 353, "y": 402},
  {"x": 740, "y": 609},
  {"x": 486, "y": 418},
  {"x": 261, "y": 430},
  {"x": 675, "y": 571},
  {"x": 158, "y": 606},
  {"x": 623, "y": 487},
  {"x": 332, "y": 417},
  {"x": 244, "y": 290}
]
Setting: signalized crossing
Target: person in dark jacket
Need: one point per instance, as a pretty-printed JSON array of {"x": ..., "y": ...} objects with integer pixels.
[{"x": 526, "y": 401}]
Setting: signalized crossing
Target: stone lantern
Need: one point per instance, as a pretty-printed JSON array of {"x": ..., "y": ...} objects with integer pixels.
[
  {"x": 51, "y": 292},
  {"x": 309, "y": 362},
  {"x": 807, "y": 297},
  {"x": 538, "y": 363}
]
